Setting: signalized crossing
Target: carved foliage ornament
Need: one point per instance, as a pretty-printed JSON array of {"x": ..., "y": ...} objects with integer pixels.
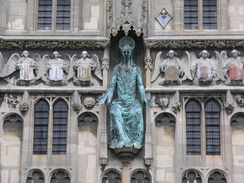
[
  {"x": 26, "y": 44},
  {"x": 172, "y": 44}
]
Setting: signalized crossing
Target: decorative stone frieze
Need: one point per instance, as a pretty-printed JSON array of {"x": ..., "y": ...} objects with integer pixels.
[
  {"x": 194, "y": 43},
  {"x": 49, "y": 44}
]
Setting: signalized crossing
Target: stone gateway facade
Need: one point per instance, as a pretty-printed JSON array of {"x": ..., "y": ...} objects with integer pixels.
[{"x": 56, "y": 61}]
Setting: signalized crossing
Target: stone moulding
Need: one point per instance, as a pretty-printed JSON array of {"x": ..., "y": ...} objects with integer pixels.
[
  {"x": 51, "y": 44},
  {"x": 193, "y": 43}
]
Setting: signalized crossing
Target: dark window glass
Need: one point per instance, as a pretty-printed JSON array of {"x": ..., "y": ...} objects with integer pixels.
[
  {"x": 209, "y": 14},
  {"x": 191, "y": 14},
  {"x": 212, "y": 119},
  {"x": 193, "y": 129},
  {"x": 63, "y": 15},
  {"x": 60, "y": 117},
  {"x": 44, "y": 15},
  {"x": 40, "y": 127}
]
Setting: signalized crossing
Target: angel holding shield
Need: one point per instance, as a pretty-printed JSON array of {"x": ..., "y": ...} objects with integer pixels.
[
  {"x": 84, "y": 67},
  {"x": 56, "y": 67},
  {"x": 233, "y": 69},
  {"x": 26, "y": 65},
  {"x": 173, "y": 69},
  {"x": 207, "y": 70},
  {"x": 28, "y": 68}
]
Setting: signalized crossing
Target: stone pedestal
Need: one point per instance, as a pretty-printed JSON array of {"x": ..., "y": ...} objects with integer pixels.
[{"x": 126, "y": 154}]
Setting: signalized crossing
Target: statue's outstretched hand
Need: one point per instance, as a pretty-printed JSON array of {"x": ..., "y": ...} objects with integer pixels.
[
  {"x": 148, "y": 101},
  {"x": 102, "y": 99}
]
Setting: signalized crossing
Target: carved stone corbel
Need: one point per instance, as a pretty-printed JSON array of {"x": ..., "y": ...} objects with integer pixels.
[
  {"x": 24, "y": 105},
  {"x": 240, "y": 100},
  {"x": 176, "y": 106},
  {"x": 229, "y": 105},
  {"x": 76, "y": 102},
  {"x": 13, "y": 100}
]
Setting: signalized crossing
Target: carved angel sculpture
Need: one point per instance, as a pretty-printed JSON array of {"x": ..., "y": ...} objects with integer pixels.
[
  {"x": 233, "y": 68},
  {"x": 83, "y": 68},
  {"x": 173, "y": 69},
  {"x": 207, "y": 70},
  {"x": 53, "y": 71},
  {"x": 27, "y": 66}
]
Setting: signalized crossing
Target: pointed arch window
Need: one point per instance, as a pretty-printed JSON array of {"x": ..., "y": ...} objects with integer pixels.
[
  {"x": 212, "y": 121},
  {"x": 193, "y": 130},
  {"x": 60, "y": 117},
  {"x": 41, "y": 117}
]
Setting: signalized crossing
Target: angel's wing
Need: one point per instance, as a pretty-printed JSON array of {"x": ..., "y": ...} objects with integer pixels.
[
  {"x": 157, "y": 63},
  {"x": 71, "y": 73},
  {"x": 42, "y": 67},
  {"x": 97, "y": 70},
  {"x": 193, "y": 62},
  {"x": 185, "y": 64},
  {"x": 218, "y": 65},
  {"x": 10, "y": 67},
  {"x": 67, "y": 60},
  {"x": 2, "y": 64}
]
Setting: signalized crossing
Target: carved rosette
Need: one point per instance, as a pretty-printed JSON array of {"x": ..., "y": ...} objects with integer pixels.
[{"x": 89, "y": 102}]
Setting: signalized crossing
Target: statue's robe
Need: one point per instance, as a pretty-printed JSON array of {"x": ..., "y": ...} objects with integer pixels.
[{"x": 126, "y": 119}]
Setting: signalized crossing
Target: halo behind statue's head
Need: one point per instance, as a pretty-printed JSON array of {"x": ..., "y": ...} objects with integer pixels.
[{"x": 126, "y": 43}]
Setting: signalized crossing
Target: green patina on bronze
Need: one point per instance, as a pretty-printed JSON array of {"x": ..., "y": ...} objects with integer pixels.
[{"x": 126, "y": 119}]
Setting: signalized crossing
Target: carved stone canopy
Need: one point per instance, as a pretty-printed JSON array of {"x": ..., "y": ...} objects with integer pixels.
[
  {"x": 127, "y": 19},
  {"x": 87, "y": 118},
  {"x": 165, "y": 118},
  {"x": 237, "y": 118}
]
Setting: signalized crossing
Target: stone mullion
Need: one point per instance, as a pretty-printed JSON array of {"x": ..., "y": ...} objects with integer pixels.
[
  {"x": 200, "y": 15},
  {"x": 50, "y": 132},
  {"x": 54, "y": 15},
  {"x": 27, "y": 141},
  {"x": 72, "y": 143}
]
